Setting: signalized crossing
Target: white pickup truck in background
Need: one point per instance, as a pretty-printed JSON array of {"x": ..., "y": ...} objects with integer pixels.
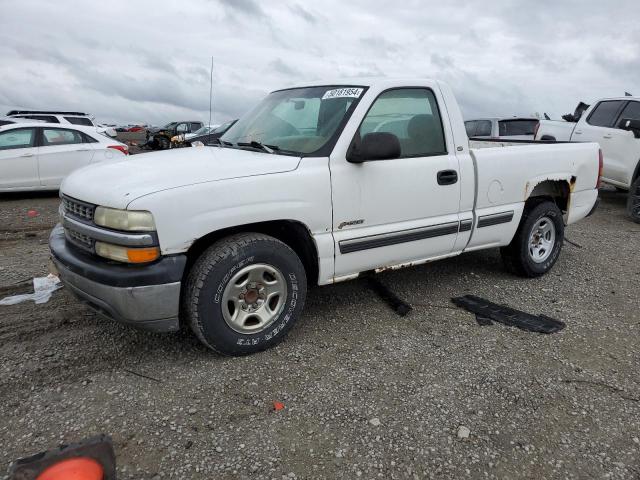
[
  {"x": 316, "y": 185},
  {"x": 614, "y": 123}
]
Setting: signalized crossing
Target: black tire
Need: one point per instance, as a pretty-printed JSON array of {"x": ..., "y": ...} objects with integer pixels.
[
  {"x": 213, "y": 271},
  {"x": 517, "y": 257},
  {"x": 633, "y": 201},
  {"x": 164, "y": 143}
]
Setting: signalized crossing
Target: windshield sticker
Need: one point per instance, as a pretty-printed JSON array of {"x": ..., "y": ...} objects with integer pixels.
[{"x": 342, "y": 93}]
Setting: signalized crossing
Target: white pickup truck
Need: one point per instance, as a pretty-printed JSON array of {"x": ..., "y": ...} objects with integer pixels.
[
  {"x": 614, "y": 123},
  {"x": 316, "y": 184}
]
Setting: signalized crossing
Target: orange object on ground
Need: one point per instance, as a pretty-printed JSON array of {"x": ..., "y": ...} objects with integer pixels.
[
  {"x": 81, "y": 468},
  {"x": 32, "y": 213},
  {"x": 277, "y": 406}
]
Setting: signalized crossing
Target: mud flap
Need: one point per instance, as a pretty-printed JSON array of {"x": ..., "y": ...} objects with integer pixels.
[
  {"x": 398, "y": 305},
  {"x": 488, "y": 312}
]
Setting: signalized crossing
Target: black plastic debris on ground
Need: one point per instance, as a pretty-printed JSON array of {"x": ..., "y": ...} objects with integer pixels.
[
  {"x": 398, "y": 305},
  {"x": 487, "y": 312}
]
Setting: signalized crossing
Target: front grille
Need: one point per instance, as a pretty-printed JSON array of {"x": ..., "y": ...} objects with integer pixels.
[
  {"x": 81, "y": 210},
  {"x": 80, "y": 240}
]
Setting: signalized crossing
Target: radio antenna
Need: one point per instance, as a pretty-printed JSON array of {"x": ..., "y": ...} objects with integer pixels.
[{"x": 210, "y": 93}]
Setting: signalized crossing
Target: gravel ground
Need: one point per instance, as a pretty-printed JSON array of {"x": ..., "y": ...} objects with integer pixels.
[{"x": 366, "y": 393}]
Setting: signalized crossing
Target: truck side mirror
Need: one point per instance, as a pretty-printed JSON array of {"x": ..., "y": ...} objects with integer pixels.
[
  {"x": 375, "y": 146},
  {"x": 630, "y": 126}
]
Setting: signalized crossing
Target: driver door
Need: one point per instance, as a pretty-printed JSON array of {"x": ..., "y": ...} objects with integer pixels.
[{"x": 390, "y": 212}]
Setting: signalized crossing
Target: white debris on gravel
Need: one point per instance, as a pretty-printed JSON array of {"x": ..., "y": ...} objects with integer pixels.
[
  {"x": 375, "y": 422},
  {"x": 463, "y": 432},
  {"x": 43, "y": 288}
]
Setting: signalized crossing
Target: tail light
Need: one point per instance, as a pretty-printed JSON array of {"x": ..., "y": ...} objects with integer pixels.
[
  {"x": 535, "y": 130},
  {"x": 600, "y": 165},
  {"x": 122, "y": 148}
]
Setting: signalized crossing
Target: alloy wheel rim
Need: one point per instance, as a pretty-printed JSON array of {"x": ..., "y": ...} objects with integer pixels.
[
  {"x": 542, "y": 240},
  {"x": 254, "y": 298}
]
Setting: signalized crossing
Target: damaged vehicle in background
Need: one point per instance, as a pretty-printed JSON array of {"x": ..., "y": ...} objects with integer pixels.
[
  {"x": 316, "y": 185},
  {"x": 211, "y": 138},
  {"x": 614, "y": 123},
  {"x": 160, "y": 138}
]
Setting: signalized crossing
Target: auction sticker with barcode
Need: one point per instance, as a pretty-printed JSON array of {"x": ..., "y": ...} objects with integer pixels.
[{"x": 342, "y": 93}]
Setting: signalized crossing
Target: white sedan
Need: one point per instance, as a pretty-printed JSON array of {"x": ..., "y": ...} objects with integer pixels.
[{"x": 37, "y": 156}]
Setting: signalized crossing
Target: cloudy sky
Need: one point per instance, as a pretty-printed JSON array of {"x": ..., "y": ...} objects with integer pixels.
[{"x": 148, "y": 60}]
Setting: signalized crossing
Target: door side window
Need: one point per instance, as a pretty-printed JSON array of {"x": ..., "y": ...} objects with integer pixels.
[
  {"x": 18, "y": 138},
  {"x": 412, "y": 115},
  {"x": 52, "y": 137},
  {"x": 182, "y": 128},
  {"x": 630, "y": 112},
  {"x": 605, "y": 113},
  {"x": 484, "y": 128},
  {"x": 196, "y": 126}
]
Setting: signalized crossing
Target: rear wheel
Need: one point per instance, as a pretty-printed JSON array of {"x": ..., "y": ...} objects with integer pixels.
[
  {"x": 633, "y": 201},
  {"x": 244, "y": 294},
  {"x": 537, "y": 242}
]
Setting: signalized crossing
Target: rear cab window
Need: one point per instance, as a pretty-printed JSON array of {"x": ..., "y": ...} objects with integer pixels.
[
  {"x": 470, "y": 127},
  {"x": 483, "y": 129},
  {"x": 17, "y": 138},
  {"x": 508, "y": 128}
]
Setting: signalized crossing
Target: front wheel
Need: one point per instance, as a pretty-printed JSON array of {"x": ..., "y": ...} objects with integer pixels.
[
  {"x": 537, "y": 242},
  {"x": 164, "y": 143},
  {"x": 633, "y": 201},
  {"x": 244, "y": 294}
]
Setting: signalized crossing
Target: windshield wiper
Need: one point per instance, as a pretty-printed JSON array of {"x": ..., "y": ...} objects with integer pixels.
[{"x": 256, "y": 144}]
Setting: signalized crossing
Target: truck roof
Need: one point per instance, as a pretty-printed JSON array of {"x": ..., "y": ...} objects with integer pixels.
[
  {"x": 618, "y": 98},
  {"x": 381, "y": 82}
]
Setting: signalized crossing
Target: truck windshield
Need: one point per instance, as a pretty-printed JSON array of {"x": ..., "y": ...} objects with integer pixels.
[{"x": 300, "y": 121}]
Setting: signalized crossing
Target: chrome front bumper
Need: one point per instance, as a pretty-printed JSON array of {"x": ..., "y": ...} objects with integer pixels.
[{"x": 134, "y": 296}]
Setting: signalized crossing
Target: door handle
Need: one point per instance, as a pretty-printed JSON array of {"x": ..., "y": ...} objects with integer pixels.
[
  {"x": 27, "y": 155},
  {"x": 447, "y": 177},
  {"x": 607, "y": 136},
  {"x": 577, "y": 132}
]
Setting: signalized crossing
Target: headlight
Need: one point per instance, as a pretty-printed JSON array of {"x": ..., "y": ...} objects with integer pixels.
[
  {"x": 127, "y": 254},
  {"x": 127, "y": 220}
]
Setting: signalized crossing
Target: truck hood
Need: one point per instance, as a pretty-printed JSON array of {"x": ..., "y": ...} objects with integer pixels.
[{"x": 116, "y": 184}]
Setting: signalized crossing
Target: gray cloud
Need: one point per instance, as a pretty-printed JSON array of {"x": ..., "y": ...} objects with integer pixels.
[
  {"x": 248, "y": 7},
  {"x": 305, "y": 14},
  {"x": 513, "y": 59}
]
